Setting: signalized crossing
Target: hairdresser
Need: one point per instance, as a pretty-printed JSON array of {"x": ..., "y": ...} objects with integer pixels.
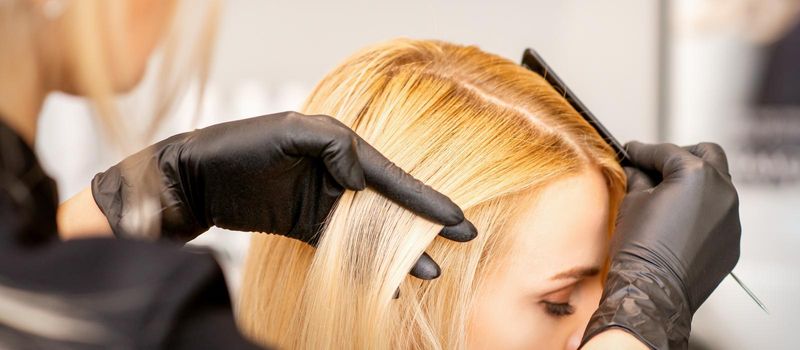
[{"x": 103, "y": 270}]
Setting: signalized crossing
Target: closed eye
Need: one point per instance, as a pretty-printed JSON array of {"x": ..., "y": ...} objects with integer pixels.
[{"x": 558, "y": 309}]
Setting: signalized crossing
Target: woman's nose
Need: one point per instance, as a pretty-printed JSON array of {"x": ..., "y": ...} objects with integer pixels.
[
  {"x": 587, "y": 304},
  {"x": 574, "y": 339}
]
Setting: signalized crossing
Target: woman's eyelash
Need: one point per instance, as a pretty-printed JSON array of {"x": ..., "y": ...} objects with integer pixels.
[{"x": 558, "y": 309}]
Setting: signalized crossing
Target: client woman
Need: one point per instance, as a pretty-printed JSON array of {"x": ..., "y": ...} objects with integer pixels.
[{"x": 537, "y": 181}]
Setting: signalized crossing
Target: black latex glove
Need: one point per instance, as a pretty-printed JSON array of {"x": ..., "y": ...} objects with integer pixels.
[
  {"x": 674, "y": 243},
  {"x": 280, "y": 173}
]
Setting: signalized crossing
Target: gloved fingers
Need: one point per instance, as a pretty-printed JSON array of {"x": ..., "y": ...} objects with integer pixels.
[
  {"x": 426, "y": 268},
  {"x": 461, "y": 232},
  {"x": 664, "y": 158},
  {"x": 351, "y": 160},
  {"x": 341, "y": 159},
  {"x": 711, "y": 153},
  {"x": 402, "y": 188},
  {"x": 638, "y": 180},
  {"x": 326, "y": 138}
]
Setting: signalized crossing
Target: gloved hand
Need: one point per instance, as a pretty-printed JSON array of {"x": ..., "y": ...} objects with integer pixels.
[
  {"x": 279, "y": 173},
  {"x": 674, "y": 243}
]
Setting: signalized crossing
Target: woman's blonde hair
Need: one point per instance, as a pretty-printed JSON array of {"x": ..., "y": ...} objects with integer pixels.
[{"x": 475, "y": 126}]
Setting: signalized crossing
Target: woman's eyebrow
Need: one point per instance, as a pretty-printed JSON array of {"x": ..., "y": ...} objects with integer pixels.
[{"x": 577, "y": 273}]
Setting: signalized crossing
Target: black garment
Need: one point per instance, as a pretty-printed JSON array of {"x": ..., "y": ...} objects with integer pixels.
[{"x": 97, "y": 293}]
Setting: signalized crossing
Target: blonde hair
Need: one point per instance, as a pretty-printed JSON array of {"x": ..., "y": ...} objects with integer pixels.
[
  {"x": 475, "y": 126},
  {"x": 28, "y": 34}
]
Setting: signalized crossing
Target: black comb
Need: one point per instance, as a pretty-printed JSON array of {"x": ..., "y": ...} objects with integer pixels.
[{"x": 535, "y": 63}]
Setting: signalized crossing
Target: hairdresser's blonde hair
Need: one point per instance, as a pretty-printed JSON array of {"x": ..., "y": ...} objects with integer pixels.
[
  {"x": 475, "y": 126},
  {"x": 86, "y": 29}
]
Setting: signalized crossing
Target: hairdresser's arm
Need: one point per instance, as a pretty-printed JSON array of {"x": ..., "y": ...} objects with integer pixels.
[
  {"x": 677, "y": 237},
  {"x": 279, "y": 173},
  {"x": 79, "y": 217}
]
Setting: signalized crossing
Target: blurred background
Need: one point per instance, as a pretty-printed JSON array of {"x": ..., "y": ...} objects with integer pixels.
[{"x": 679, "y": 71}]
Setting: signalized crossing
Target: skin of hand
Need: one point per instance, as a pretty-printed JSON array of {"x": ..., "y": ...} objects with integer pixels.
[
  {"x": 279, "y": 173},
  {"x": 675, "y": 242}
]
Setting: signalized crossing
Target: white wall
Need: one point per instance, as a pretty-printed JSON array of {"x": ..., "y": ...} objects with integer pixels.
[{"x": 605, "y": 50}]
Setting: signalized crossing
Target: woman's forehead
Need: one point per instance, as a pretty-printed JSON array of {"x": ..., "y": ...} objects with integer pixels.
[{"x": 563, "y": 226}]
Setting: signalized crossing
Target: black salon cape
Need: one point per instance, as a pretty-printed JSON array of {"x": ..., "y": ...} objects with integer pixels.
[{"x": 97, "y": 293}]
